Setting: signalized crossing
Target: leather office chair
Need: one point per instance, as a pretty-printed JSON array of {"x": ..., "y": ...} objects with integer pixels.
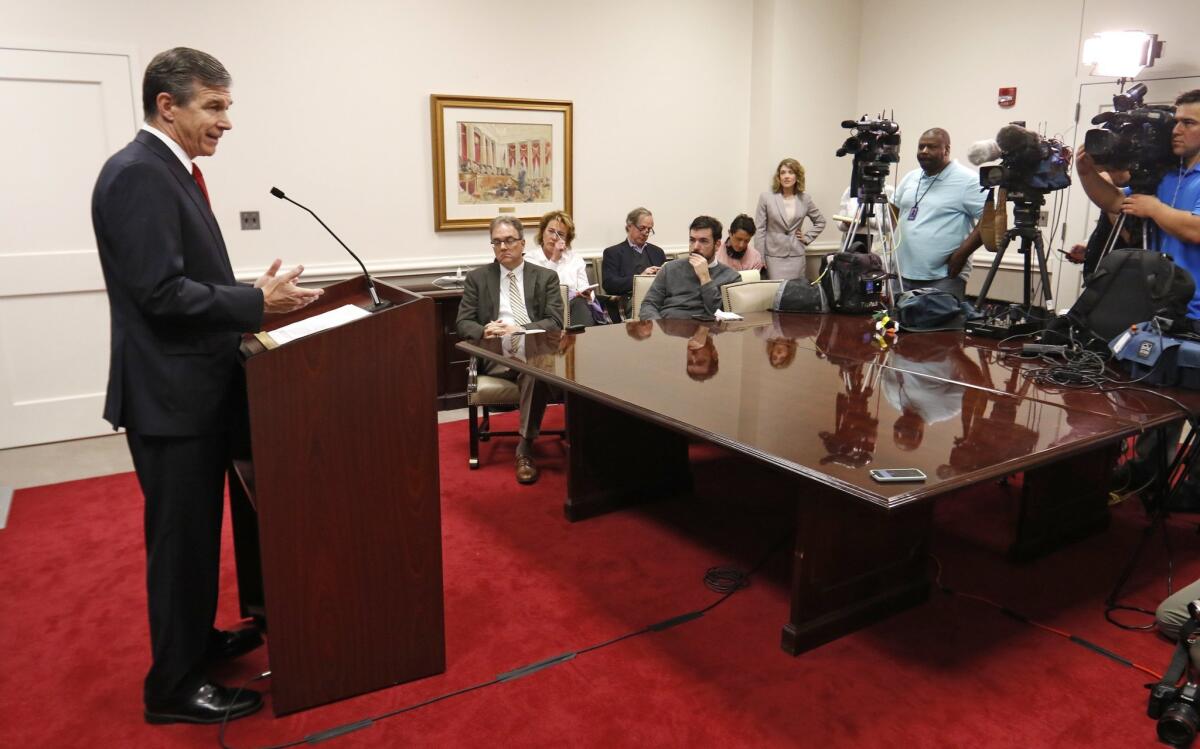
[
  {"x": 486, "y": 392},
  {"x": 749, "y": 296},
  {"x": 750, "y": 275},
  {"x": 611, "y": 304},
  {"x": 596, "y": 273},
  {"x": 641, "y": 285}
]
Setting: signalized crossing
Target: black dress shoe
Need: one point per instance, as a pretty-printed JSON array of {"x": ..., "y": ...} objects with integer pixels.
[
  {"x": 225, "y": 645},
  {"x": 208, "y": 704}
]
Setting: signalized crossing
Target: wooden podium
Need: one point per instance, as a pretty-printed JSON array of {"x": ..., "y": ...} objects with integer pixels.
[{"x": 337, "y": 517}]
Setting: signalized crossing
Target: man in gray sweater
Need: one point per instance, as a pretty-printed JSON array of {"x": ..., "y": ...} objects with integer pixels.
[{"x": 691, "y": 289}]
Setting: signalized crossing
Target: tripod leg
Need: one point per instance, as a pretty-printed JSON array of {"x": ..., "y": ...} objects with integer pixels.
[
  {"x": 1163, "y": 488},
  {"x": 987, "y": 282},
  {"x": 1113, "y": 237},
  {"x": 862, "y": 217},
  {"x": 891, "y": 255},
  {"x": 1026, "y": 276},
  {"x": 1047, "y": 294}
]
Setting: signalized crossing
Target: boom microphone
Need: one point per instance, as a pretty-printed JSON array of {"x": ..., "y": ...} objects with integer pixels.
[
  {"x": 982, "y": 151},
  {"x": 376, "y": 303},
  {"x": 1015, "y": 138}
]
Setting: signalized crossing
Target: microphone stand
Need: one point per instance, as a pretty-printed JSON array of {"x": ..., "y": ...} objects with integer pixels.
[{"x": 376, "y": 303}]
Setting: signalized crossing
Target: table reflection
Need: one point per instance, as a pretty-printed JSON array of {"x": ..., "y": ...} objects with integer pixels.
[{"x": 811, "y": 393}]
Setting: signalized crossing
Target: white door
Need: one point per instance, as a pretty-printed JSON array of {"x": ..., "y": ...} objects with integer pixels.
[
  {"x": 1082, "y": 215},
  {"x": 65, "y": 113}
]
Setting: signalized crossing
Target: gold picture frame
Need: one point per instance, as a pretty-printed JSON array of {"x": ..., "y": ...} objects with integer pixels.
[{"x": 507, "y": 156}]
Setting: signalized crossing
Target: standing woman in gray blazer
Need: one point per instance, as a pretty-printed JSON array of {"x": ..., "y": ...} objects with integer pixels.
[{"x": 779, "y": 218}]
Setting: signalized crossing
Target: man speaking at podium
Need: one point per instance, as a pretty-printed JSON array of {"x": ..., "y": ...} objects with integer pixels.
[{"x": 174, "y": 378}]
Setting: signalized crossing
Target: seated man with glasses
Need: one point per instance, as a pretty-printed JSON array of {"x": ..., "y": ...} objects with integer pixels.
[
  {"x": 692, "y": 289},
  {"x": 508, "y": 297},
  {"x": 635, "y": 256}
]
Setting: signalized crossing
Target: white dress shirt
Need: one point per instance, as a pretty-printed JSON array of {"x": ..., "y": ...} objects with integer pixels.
[
  {"x": 505, "y": 310},
  {"x": 571, "y": 269},
  {"x": 171, "y": 144}
]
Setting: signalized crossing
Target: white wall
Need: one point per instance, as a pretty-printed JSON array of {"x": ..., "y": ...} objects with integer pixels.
[
  {"x": 940, "y": 63},
  {"x": 805, "y": 64},
  {"x": 683, "y": 106},
  {"x": 332, "y": 105}
]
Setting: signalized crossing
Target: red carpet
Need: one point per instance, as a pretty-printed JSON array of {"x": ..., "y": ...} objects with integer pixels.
[{"x": 523, "y": 585}]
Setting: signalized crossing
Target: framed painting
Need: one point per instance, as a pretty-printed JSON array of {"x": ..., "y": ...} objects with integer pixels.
[{"x": 498, "y": 156}]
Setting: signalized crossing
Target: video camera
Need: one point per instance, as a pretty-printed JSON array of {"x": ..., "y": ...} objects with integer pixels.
[
  {"x": 1028, "y": 163},
  {"x": 875, "y": 145},
  {"x": 1135, "y": 137},
  {"x": 1177, "y": 708}
]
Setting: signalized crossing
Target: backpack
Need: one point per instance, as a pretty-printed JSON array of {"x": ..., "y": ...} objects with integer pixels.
[
  {"x": 1129, "y": 287},
  {"x": 853, "y": 282}
]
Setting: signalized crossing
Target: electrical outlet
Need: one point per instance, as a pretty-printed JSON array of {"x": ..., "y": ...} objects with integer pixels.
[
  {"x": 1043, "y": 219},
  {"x": 250, "y": 221}
]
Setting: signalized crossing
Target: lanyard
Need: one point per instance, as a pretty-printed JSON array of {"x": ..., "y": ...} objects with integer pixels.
[{"x": 912, "y": 215}]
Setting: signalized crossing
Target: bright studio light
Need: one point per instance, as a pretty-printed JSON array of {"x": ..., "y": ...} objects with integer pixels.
[{"x": 1121, "y": 54}]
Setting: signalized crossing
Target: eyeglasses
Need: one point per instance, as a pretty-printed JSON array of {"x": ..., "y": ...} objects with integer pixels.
[
  {"x": 506, "y": 242},
  {"x": 555, "y": 234},
  {"x": 647, "y": 230}
]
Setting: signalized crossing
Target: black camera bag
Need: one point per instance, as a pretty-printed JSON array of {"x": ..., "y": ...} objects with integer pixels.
[
  {"x": 853, "y": 282},
  {"x": 798, "y": 295},
  {"x": 1129, "y": 287}
]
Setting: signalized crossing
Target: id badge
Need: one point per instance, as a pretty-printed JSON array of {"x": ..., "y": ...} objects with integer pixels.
[{"x": 912, "y": 215}]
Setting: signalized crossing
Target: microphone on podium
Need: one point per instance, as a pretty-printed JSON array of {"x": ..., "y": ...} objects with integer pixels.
[{"x": 376, "y": 303}]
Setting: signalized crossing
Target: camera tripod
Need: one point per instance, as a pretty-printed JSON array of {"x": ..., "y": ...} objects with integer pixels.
[
  {"x": 1169, "y": 479},
  {"x": 887, "y": 235},
  {"x": 1026, "y": 208},
  {"x": 1114, "y": 236}
]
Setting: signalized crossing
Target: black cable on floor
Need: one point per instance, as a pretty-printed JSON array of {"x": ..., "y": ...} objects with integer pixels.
[{"x": 728, "y": 575}]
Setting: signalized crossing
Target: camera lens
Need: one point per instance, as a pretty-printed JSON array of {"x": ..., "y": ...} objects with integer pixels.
[
  {"x": 1101, "y": 145},
  {"x": 992, "y": 176},
  {"x": 1177, "y": 726}
]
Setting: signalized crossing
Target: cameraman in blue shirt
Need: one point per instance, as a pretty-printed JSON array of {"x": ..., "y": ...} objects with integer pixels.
[
  {"x": 1175, "y": 206},
  {"x": 939, "y": 205}
]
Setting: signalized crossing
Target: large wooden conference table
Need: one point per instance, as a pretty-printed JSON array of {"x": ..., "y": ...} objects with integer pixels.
[{"x": 816, "y": 399}]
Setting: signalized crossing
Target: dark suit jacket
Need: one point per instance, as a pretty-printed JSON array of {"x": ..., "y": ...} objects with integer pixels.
[
  {"x": 622, "y": 263},
  {"x": 481, "y": 299},
  {"x": 176, "y": 310}
]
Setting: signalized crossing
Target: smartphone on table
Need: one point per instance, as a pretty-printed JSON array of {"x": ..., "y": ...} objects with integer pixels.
[{"x": 895, "y": 475}]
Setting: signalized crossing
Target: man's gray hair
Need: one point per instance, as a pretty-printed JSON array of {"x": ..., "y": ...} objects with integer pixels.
[
  {"x": 636, "y": 215},
  {"x": 512, "y": 221},
  {"x": 175, "y": 72}
]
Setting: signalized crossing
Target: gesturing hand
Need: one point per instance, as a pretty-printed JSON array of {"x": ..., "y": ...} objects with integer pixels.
[{"x": 280, "y": 292}]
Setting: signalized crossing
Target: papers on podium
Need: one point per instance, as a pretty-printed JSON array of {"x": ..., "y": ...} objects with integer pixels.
[{"x": 315, "y": 324}]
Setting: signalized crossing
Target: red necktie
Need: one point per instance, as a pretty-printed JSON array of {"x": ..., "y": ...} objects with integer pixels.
[{"x": 200, "y": 181}]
